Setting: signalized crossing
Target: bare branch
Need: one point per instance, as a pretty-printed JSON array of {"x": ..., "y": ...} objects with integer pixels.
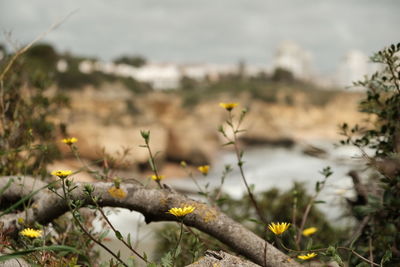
[
  {"x": 153, "y": 204},
  {"x": 26, "y": 48}
]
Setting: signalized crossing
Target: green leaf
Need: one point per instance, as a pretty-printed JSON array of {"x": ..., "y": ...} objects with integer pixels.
[
  {"x": 47, "y": 248},
  {"x": 166, "y": 260},
  {"x": 129, "y": 240},
  {"x": 104, "y": 234},
  {"x": 252, "y": 187},
  {"x": 221, "y": 200},
  {"x": 317, "y": 186},
  {"x": 118, "y": 235},
  {"x": 386, "y": 257},
  {"x": 256, "y": 221},
  {"x": 151, "y": 165},
  {"x": 10, "y": 181},
  {"x": 229, "y": 143},
  {"x": 331, "y": 250},
  {"x": 25, "y": 198},
  {"x": 202, "y": 193},
  {"x": 363, "y": 210},
  {"x": 338, "y": 259},
  {"x": 178, "y": 251},
  {"x": 309, "y": 244}
]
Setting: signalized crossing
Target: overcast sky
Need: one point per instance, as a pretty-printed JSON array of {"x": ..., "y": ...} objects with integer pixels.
[{"x": 221, "y": 31}]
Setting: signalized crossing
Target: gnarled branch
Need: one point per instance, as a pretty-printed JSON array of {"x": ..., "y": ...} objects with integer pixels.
[{"x": 153, "y": 204}]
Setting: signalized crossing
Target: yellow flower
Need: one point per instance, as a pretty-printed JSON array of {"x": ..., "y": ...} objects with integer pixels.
[
  {"x": 278, "y": 228},
  {"x": 69, "y": 141},
  {"x": 309, "y": 231},
  {"x": 180, "y": 212},
  {"x": 157, "y": 178},
  {"x": 117, "y": 192},
  {"x": 29, "y": 232},
  {"x": 21, "y": 220},
  {"x": 61, "y": 173},
  {"x": 204, "y": 169},
  {"x": 228, "y": 106},
  {"x": 307, "y": 256}
]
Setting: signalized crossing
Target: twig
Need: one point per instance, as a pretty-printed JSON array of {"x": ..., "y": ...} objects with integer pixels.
[
  {"x": 115, "y": 231},
  {"x": 371, "y": 256},
  {"x": 358, "y": 231},
  {"x": 25, "y": 48},
  {"x": 67, "y": 200},
  {"x": 358, "y": 255}
]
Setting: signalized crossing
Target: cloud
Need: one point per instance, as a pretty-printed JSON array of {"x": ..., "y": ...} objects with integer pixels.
[{"x": 207, "y": 30}]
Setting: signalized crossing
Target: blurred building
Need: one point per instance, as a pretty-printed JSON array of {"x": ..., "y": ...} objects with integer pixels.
[
  {"x": 160, "y": 76},
  {"x": 62, "y": 65},
  {"x": 207, "y": 71},
  {"x": 291, "y": 57}
]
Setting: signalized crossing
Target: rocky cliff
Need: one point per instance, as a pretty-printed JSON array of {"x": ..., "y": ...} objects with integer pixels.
[{"x": 109, "y": 119}]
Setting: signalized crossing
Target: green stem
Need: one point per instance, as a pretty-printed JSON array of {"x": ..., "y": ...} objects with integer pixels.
[
  {"x": 154, "y": 167},
  {"x": 240, "y": 165},
  {"x": 67, "y": 199},
  {"x": 177, "y": 244},
  {"x": 323, "y": 249},
  {"x": 115, "y": 231}
]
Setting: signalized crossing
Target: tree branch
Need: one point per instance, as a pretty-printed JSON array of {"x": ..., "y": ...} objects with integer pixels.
[
  {"x": 221, "y": 259},
  {"x": 153, "y": 204}
]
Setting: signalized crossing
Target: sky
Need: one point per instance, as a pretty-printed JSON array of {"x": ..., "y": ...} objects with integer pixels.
[{"x": 201, "y": 31}]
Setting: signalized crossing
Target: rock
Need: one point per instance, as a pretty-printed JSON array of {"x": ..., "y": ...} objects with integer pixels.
[
  {"x": 189, "y": 141},
  {"x": 264, "y": 141},
  {"x": 14, "y": 263},
  {"x": 109, "y": 119},
  {"x": 95, "y": 140},
  {"x": 314, "y": 151},
  {"x": 221, "y": 259}
]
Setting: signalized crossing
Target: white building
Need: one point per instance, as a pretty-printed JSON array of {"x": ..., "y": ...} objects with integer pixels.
[
  {"x": 163, "y": 76},
  {"x": 160, "y": 76},
  {"x": 62, "y": 65},
  {"x": 86, "y": 66},
  {"x": 292, "y": 57}
]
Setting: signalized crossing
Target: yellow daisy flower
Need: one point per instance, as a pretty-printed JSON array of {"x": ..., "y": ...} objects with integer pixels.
[
  {"x": 69, "y": 141},
  {"x": 117, "y": 192},
  {"x": 29, "y": 232},
  {"x": 204, "y": 169},
  {"x": 157, "y": 178},
  {"x": 309, "y": 231},
  {"x": 228, "y": 106},
  {"x": 307, "y": 256},
  {"x": 62, "y": 174},
  {"x": 278, "y": 228},
  {"x": 180, "y": 212}
]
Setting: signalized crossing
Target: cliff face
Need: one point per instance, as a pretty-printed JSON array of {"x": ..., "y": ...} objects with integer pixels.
[
  {"x": 302, "y": 122},
  {"x": 109, "y": 119}
]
